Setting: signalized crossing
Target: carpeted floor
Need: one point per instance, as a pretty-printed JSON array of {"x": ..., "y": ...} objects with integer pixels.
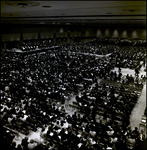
[{"x": 138, "y": 110}]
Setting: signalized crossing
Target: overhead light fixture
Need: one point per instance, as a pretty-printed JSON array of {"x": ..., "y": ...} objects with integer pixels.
[
  {"x": 41, "y": 22},
  {"x": 46, "y": 6},
  {"x": 131, "y": 10},
  {"x": 61, "y": 30},
  {"x": 23, "y": 4},
  {"x": 67, "y": 23}
]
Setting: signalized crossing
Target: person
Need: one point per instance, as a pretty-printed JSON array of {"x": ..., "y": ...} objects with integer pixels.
[
  {"x": 136, "y": 133},
  {"x": 136, "y": 72},
  {"x": 74, "y": 116},
  {"x": 13, "y": 145},
  {"x": 19, "y": 147},
  {"x": 131, "y": 142},
  {"x": 24, "y": 143},
  {"x": 32, "y": 144},
  {"x": 110, "y": 131},
  {"x": 11, "y": 89},
  {"x": 87, "y": 111},
  {"x": 141, "y": 144},
  {"x": 94, "y": 113}
]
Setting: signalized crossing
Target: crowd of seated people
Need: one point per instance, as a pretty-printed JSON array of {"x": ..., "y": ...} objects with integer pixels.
[
  {"x": 33, "y": 85},
  {"x": 130, "y": 57},
  {"x": 122, "y": 56}
]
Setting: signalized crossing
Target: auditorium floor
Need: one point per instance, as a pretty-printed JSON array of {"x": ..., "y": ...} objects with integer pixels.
[
  {"x": 135, "y": 115},
  {"x": 139, "y": 108}
]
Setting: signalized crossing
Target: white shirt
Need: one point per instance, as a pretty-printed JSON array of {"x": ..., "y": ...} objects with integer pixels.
[
  {"x": 32, "y": 145},
  {"x": 110, "y": 132},
  {"x": 93, "y": 133},
  {"x": 113, "y": 140}
]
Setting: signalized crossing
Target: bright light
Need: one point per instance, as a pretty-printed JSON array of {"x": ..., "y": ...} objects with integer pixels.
[
  {"x": 115, "y": 33},
  {"x": 124, "y": 34},
  {"x": 99, "y": 34},
  {"x": 107, "y": 34},
  {"x": 134, "y": 34},
  {"x": 61, "y": 30}
]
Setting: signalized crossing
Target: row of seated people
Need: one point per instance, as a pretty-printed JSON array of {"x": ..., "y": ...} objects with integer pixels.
[
  {"x": 109, "y": 102},
  {"x": 83, "y": 133},
  {"x": 119, "y": 41},
  {"x": 47, "y": 73},
  {"x": 24, "y": 115},
  {"x": 93, "y": 48},
  {"x": 115, "y": 76},
  {"x": 130, "y": 57},
  {"x": 96, "y": 92},
  {"x": 122, "y": 41},
  {"x": 34, "y": 66},
  {"x": 101, "y": 74},
  {"x": 123, "y": 56},
  {"x": 75, "y": 75}
]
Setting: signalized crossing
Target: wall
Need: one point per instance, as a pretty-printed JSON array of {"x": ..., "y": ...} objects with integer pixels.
[
  {"x": 13, "y": 33},
  {"x": 10, "y": 37},
  {"x": 123, "y": 33}
]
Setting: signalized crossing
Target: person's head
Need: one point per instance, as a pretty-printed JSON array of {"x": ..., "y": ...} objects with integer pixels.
[
  {"x": 13, "y": 144},
  {"x": 19, "y": 146},
  {"x": 136, "y": 128},
  {"x": 26, "y": 138},
  {"x": 57, "y": 122},
  {"x": 31, "y": 141}
]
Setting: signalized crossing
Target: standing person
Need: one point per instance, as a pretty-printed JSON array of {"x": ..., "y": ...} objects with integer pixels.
[
  {"x": 12, "y": 89},
  {"x": 135, "y": 133},
  {"x": 94, "y": 113},
  {"x": 144, "y": 62},
  {"x": 142, "y": 135},
  {"x": 24, "y": 143},
  {"x": 136, "y": 72},
  {"x": 87, "y": 111}
]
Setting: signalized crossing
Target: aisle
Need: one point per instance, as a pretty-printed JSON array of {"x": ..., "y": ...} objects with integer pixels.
[
  {"x": 126, "y": 71},
  {"x": 70, "y": 110},
  {"x": 138, "y": 110}
]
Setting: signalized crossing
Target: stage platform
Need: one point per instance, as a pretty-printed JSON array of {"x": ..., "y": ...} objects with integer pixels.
[{"x": 16, "y": 50}]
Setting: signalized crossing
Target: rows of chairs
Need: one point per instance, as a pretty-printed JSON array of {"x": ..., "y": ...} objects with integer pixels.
[{"x": 32, "y": 85}]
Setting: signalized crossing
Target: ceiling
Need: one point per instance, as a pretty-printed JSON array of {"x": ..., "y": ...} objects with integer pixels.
[{"x": 130, "y": 13}]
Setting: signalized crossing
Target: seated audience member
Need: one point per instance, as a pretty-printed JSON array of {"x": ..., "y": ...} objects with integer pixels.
[
  {"x": 19, "y": 147},
  {"x": 94, "y": 110},
  {"x": 24, "y": 143},
  {"x": 142, "y": 135},
  {"x": 131, "y": 142},
  {"x": 37, "y": 80},
  {"x": 32, "y": 144}
]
